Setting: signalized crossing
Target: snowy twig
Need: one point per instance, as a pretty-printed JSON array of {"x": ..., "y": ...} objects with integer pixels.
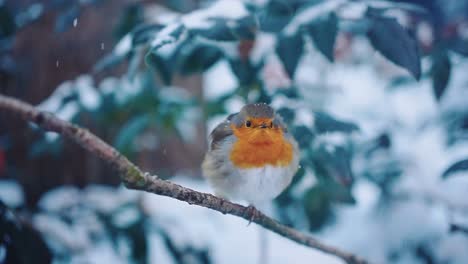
[{"x": 134, "y": 178}]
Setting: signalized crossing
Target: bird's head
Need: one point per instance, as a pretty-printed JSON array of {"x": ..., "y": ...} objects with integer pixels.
[{"x": 258, "y": 124}]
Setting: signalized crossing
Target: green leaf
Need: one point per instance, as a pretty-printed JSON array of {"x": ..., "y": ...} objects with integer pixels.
[
  {"x": 458, "y": 166},
  {"x": 394, "y": 43},
  {"x": 197, "y": 58},
  {"x": 131, "y": 130},
  {"x": 131, "y": 17},
  {"x": 323, "y": 32},
  {"x": 143, "y": 33},
  {"x": 332, "y": 162},
  {"x": 303, "y": 135},
  {"x": 287, "y": 114},
  {"x": 440, "y": 73},
  {"x": 21, "y": 243},
  {"x": 245, "y": 71},
  {"x": 317, "y": 207},
  {"x": 325, "y": 123},
  {"x": 220, "y": 30},
  {"x": 338, "y": 193},
  {"x": 275, "y": 15},
  {"x": 161, "y": 65},
  {"x": 289, "y": 50},
  {"x": 7, "y": 22}
]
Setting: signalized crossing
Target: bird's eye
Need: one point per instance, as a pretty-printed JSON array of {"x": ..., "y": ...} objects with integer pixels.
[
  {"x": 248, "y": 123},
  {"x": 271, "y": 125}
]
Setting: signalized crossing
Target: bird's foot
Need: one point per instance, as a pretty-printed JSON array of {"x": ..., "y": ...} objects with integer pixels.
[{"x": 251, "y": 213}]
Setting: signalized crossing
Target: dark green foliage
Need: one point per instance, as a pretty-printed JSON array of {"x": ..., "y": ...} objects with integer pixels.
[
  {"x": 394, "y": 42},
  {"x": 7, "y": 22},
  {"x": 193, "y": 58},
  {"x": 245, "y": 71},
  {"x": 289, "y": 50},
  {"x": 332, "y": 162},
  {"x": 317, "y": 206},
  {"x": 21, "y": 242},
  {"x": 303, "y": 135},
  {"x": 323, "y": 32},
  {"x": 226, "y": 30},
  {"x": 325, "y": 123},
  {"x": 65, "y": 20},
  {"x": 287, "y": 114},
  {"x": 161, "y": 65},
  {"x": 276, "y": 15},
  {"x": 458, "y": 166},
  {"x": 132, "y": 16},
  {"x": 440, "y": 73}
]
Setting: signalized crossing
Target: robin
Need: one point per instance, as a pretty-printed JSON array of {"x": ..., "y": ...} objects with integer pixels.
[{"x": 251, "y": 156}]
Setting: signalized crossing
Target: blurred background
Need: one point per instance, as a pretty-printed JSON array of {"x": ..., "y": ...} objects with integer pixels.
[{"x": 375, "y": 92}]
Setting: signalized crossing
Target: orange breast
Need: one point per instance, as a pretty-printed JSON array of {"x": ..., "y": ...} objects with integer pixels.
[{"x": 249, "y": 152}]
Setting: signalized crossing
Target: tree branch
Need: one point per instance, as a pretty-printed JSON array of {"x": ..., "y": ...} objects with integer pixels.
[{"x": 134, "y": 178}]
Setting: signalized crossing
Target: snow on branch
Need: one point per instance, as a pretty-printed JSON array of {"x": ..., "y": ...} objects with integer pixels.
[{"x": 134, "y": 178}]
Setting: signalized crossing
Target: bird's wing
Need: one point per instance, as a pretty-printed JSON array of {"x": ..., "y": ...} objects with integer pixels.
[{"x": 222, "y": 131}]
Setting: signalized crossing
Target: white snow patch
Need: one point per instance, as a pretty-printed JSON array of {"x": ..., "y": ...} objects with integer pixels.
[
  {"x": 226, "y": 9},
  {"x": 11, "y": 193},
  {"x": 218, "y": 81},
  {"x": 124, "y": 46},
  {"x": 310, "y": 13}
]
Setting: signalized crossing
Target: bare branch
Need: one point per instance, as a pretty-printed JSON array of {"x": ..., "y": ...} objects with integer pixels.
[{"x": 134, "y": 178}]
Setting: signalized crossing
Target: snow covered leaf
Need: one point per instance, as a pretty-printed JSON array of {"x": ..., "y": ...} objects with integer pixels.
[
  {"x": 143, "y": 33},
  {"x": 323, "y": 32},
  {"x": 458, "y": 166},
  {"x": 228, "y": 30},
  {"x": 440, "y": 73},
  {"x": 394, "y": 42},
  {"x": 325, "y": 123},
  {"x": 289, "y": 50},
  {"x": 168, "y": 35}
]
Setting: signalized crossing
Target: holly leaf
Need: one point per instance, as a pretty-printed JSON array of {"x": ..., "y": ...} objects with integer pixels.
[
  {"x": 197, "y": 58},
  {"x": 287, "y": 114},
  {"x": 289, "y": 50},
  {"x": 303, "y": 135},
  {"x": 162, "y": 66},
  {"x": 440, "y": 73},
  {"x": 323, "y": 32},
  {"x": 394, "y": 43},
  {"x": 317, "y": 207},
  {"x": 325, "y": 123},
  {"x": 458, "y": 166}
]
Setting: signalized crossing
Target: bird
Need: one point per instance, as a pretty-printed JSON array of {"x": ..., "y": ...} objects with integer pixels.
[{"x": 251, "y": 156}]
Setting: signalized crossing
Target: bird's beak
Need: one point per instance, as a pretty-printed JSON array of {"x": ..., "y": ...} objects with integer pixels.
[{"x": 263, "y": 125}]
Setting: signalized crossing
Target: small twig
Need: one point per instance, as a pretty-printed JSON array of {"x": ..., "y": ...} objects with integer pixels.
[{"x": 134, "y": 178}]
